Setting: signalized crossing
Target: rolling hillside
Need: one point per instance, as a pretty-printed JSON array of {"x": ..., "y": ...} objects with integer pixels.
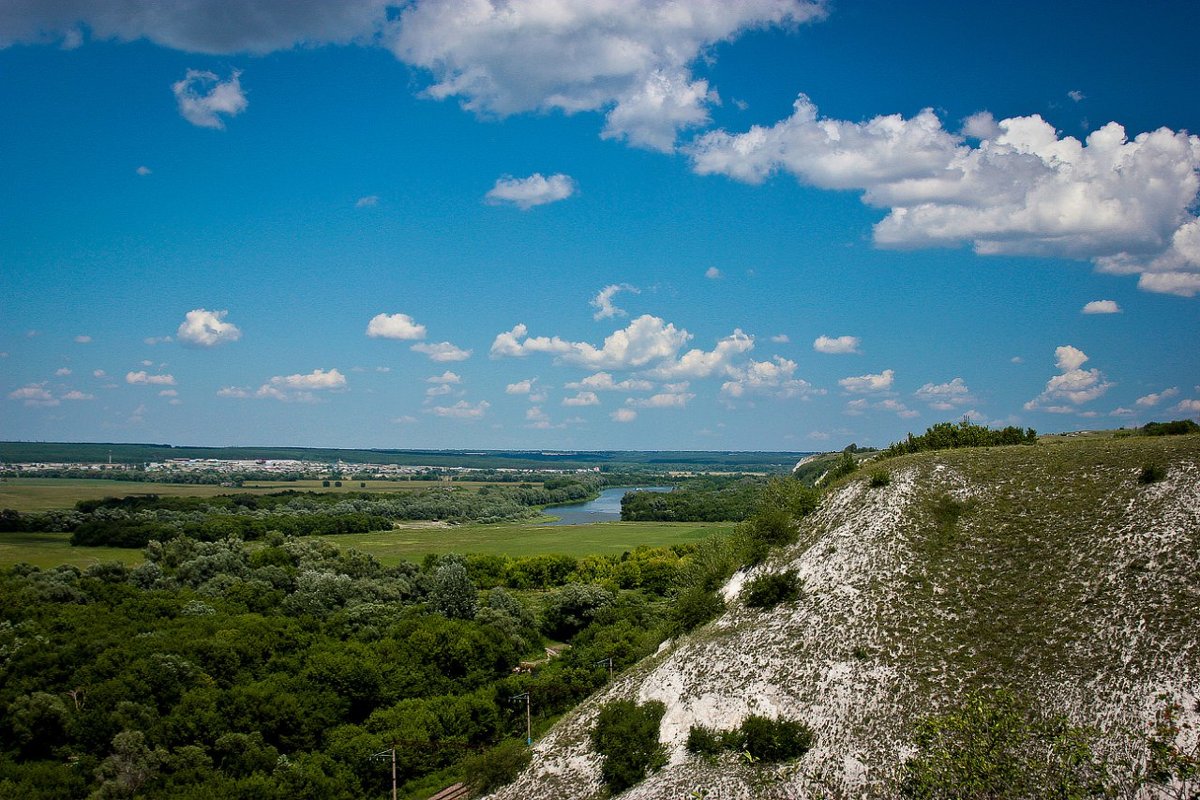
[{"x": 1049, "y": 570}]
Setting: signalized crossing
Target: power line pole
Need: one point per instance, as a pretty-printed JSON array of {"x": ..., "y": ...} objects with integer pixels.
[
  {"x": 609, "y": 662},
  {"x": 528, "y": 718},
  {"x": 383, "y": 754}
]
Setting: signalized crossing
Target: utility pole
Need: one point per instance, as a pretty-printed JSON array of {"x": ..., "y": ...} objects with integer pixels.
[
  {"x": 382, "y": 755},
  {"x": 528, "y": 718},
  {"x": 609, "y": 662}
]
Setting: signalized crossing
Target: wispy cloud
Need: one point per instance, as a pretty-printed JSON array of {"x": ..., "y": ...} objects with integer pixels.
[
  {"x": 441, "y": 351},
  {"x": 141, "y": 377},
  {"x": 603, "y": 301},
  {"x": 204, "y": 99}
]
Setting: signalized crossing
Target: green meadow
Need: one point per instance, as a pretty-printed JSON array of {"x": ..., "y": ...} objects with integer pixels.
[{"x": 523, "y": 538}]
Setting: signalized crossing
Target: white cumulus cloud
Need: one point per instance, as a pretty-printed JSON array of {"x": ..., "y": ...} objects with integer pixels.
[
  {"x": 774, "y": 378},
  {"x": 461, "y": 410},
  {"x": 623, "y": 415},
  {"x": 441, "y": 351},
  {"x": 1102, "y": 307},
  {"x": 835, "y": 345},
  {"x": 662, "y": 400},
  {"x": 83, "y": 338},
  {"x": 75, "y": 394},
  {"x": 536, "y": 190},
  {"x": 445, "y": 378},
  {"x": 297, "y": 388},
  {"x": 582, "y": 399},
  {"x": 698, "y": 363},
  {"x": 520, "y": 387},
  {"x": 141, "y": 377},
  {"x": 204, "y": 98},
  {"x": 868, "y": 383},
  {"x": 946, "y": 396},
  {"x": 712, "y": 273},
  {"x": 394, "y": 326},
  {"x": 204, "y": 328},
  {"x": 646, "y": 339},
  {"x": 1125, "y": 204},
  {"x": 604, "y": 382},
  {"x": 630, "y": 59},
  {"x": 33, "y": 395},
  {"x": 1154, "y": 398},
  {"x": 1073, "y": 384}
]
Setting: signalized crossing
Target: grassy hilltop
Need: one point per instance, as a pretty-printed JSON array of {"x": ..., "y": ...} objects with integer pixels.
[{"x": 1065, "y": 572}]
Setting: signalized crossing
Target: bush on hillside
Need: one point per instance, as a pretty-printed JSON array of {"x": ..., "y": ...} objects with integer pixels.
[
  {"x": 1177, "y": 427},
  {"x": 995, "y": 747},
  {"x": 764, "y": 739},
  {"x": 692, "y": 608},
  {"x": 879, "y": 478},
  {"x": 626, "y": 737},
  {"x": 1151, "y": 473},
  {"x": 845, "y": 466},
  {"x": 773, "y": 740},
  {"x": 702, "y": 741},
  {"x": 497, "y": 767},
  {"x": 771, "y": 589},
  {"x": 947, "y": 436}
]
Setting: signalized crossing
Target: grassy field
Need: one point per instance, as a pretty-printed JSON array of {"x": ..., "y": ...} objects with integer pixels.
[
  {"x": 51, "y": 549},
  {"x": 410, "y": 543},
  {"x": 43, "y": 494},
  {"x": 523, "y": 538}
]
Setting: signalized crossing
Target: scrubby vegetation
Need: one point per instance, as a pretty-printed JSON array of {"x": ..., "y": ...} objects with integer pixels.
[
  {"x": 626, "y": 737},
  {"x": 764, "y": 739},
  {"x": 770, "y": 589},
  {"x": 994, "y": 747},
  {"x": 879, "y": 478},
  {"x": 948, "y": 435},
  {"x": 846, "y": 465},
  {"x": 1177, "y": 427},
  {"x": 1151, "y": 473}
]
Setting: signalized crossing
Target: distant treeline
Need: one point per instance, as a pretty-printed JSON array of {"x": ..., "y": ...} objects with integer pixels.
[
  {"x": 606, "y": 460},
  {"x": 949, "y": 435},
  {"x": 200, "y": 478},
  {"x": 136, "y": 520},
  {"x": 701, "y": 500},
  {"x": 1175, "y": 428}
]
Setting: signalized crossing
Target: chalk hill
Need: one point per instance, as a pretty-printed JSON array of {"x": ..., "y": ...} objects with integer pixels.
[{"x": 1051, "y": 570}]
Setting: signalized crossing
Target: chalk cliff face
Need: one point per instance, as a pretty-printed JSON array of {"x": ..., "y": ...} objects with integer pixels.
[{"x": 1050, "y": 570}]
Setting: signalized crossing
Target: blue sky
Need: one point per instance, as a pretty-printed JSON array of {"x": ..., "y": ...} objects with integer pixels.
[{"x": 765, "y": 225}]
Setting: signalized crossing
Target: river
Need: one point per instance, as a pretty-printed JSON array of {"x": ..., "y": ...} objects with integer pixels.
[{"x": 605, "y": 508}]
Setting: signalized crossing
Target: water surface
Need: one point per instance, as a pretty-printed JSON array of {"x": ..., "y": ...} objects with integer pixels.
[{"x": 605, "y": 508}]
